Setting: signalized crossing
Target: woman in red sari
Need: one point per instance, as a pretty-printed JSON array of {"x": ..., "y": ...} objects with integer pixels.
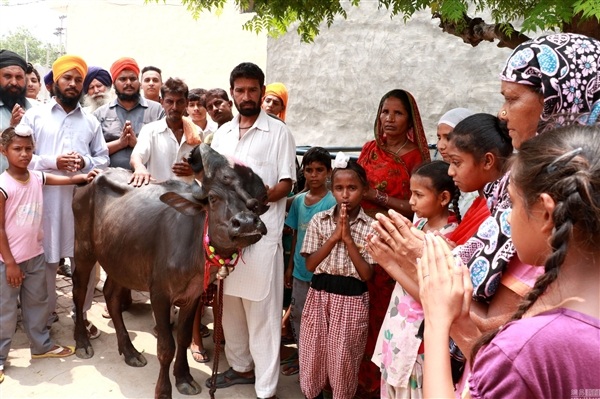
[{"x": 399, "y": 147}]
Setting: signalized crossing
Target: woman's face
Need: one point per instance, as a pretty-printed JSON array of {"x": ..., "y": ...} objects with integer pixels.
[
  {"x": 33, "y": 86},
  {"x": 521, "y": 111},
  {"x": 443, "y": 131},
  {"x": 394, "y": 118}
]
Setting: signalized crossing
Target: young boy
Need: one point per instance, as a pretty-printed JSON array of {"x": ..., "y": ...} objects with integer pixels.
[
  {"x": 196, "y": 109},
  {"x": 316, "y": 165},
  {"x": 22, "y": 264}
]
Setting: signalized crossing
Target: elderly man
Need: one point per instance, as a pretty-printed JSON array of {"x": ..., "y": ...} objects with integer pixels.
[
  {"x": 253, "y": 294},
  {"x": 96, "y": 88},
  {"x": 68, "y": 141},
  {"x": 163, "y": 147},
  {"x": 13, "y": 87},
  {"x": 123, "y": 118}
]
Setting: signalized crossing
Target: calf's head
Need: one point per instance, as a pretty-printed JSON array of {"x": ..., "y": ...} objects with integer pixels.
[{"x": 234, "y": 198}]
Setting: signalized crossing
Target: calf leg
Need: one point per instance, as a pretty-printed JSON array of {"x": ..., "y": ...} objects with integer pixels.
[
  {"x": 113, "y": 295},
  {"x": 183, "y": 379},
  {"x": 161, "y": 306},
  {"x": 81, "y": 278}
]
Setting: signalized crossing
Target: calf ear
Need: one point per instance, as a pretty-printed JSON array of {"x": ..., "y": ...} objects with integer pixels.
[{"x": 181, "y": 204}]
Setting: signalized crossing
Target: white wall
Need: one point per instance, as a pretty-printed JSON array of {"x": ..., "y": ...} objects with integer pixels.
[
  {"x": 202, "y": 52},
  {"x": 335, "y": 84}
]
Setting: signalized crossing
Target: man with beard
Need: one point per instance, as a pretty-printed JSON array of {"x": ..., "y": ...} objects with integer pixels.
[
  {"x": 218, "y": 106},
  {"x": 163, "y": 146},
  {"x": 96, "y": 88},
  {"x": 13, "y": 87},
  {"x": 253, "y": 294},
  {"x": 123, "y": 118},
  {"x": 67, "y": 141}
]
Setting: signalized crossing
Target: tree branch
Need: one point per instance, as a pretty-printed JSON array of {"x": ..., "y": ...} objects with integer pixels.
[{"x": 475, "y": 30}]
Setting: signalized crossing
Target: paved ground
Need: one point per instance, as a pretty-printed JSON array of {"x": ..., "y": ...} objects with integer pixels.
[{"x": 106, "y": 375}]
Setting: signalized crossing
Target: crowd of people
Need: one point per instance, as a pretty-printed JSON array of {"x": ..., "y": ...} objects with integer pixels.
[{"x": 473, "y": 275}]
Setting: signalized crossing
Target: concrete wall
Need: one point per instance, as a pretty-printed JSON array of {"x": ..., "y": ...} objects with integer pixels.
[
  {"x": 202, "y": 52},
  {"x": 335, "y": 84}
]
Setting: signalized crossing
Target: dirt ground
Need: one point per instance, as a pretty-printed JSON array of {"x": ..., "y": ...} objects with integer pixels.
[{"x": 106, "y": 375}]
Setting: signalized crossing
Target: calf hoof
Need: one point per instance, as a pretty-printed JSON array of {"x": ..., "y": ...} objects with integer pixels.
[
  {"x": 188, "y": 388},
  {"x": 136, "y": 360},
  {"x": 84, "y": 352}
]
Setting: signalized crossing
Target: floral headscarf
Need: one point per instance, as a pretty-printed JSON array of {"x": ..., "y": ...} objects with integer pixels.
[{"x": 564, "y": 67}]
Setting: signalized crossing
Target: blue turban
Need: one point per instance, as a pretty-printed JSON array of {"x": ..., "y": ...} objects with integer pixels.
[{"x": 95, "y": 72}]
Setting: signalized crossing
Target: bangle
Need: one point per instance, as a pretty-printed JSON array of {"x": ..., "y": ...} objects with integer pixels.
[{"x": 381, "y": 198}]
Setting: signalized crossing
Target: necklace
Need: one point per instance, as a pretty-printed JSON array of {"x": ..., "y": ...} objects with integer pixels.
[
  {"x": 247, "y": 127},
  {"x": 401, "y": 147}
]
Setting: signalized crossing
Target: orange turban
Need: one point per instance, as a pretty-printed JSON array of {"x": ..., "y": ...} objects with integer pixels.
[
  {"x": 66, "y": 63},
  {"x": 122, "y": 64},
  {"x": 280, "y": 91}
]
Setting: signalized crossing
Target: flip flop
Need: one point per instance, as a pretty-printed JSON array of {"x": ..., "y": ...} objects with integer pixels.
[
  {"x": 58, "y": 351},
  {"x": 201, "y": 356},
  {"x": 290, "y": 369},
  {"x": 229, "y": 378}
]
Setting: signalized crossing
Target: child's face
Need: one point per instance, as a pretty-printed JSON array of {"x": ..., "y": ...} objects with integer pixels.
[
  {"x": 19, "y": 152},
  {"x": 425, "y": 201},
  {"x": 468, "y": 174},
  {"x": 525, "y": 225},
  {"x": 348, "y": 189},
  {"x": 316, "y": 175}
]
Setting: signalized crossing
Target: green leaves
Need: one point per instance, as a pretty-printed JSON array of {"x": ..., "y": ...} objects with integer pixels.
[{"x": 276, "y": 16}]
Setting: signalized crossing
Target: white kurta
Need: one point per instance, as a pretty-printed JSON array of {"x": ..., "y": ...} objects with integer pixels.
[
  {"x": 269, "y": 149},
  {"x": 55, "y": 132},
  {"x": 159, "y": 150}
]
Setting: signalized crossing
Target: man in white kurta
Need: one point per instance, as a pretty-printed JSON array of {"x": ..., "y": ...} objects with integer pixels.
[
  {"x": 67, "y": 141},
  {"x": 253, "y": 293}
]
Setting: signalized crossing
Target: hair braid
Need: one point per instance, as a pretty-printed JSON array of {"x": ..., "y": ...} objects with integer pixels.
[{"x": 455, "y": 198}]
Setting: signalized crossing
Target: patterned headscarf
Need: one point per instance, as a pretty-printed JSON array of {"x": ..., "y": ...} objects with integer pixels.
[
  {"x": 416, "y": 134},
  {"x": 565, "y": 68}
]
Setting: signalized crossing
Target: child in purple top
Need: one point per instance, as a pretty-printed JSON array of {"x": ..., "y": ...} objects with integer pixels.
[
  {"x": 549, "y": 348},
  {"x": 22, "y": 265}
]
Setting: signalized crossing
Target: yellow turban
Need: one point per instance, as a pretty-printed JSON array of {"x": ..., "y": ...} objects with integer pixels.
[
  {"x": 280, "y": 91},
  {"x": 66, "y": 63}
]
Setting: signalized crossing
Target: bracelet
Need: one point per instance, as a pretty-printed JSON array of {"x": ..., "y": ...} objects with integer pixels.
[{"x": 381, "y": 198}]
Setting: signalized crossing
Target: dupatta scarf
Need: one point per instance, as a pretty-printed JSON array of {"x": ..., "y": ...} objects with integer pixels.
[{"x": 389, "y": 172}]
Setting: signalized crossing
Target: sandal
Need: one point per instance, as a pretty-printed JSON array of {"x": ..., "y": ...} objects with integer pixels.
[
  {"x": 92, "y": 331},
  {"x": 204, "y": 331},
  {"x": 201, "y": 356},
  {"x": 229, "y": 378},
  {"x": 1, "y": 376},
  {"x": 56, "y": 351},
  {"x": 290, "y": 369}
]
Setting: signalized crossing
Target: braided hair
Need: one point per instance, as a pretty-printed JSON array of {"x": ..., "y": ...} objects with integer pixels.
[
  {"x": 565, "y": 164},
  {"x": 437, "y": 172}
]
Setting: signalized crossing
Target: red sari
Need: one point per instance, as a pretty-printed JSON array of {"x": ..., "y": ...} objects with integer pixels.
[
  {"x": 477, "y": 213},
  {"x": 389, "y": 173}
]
